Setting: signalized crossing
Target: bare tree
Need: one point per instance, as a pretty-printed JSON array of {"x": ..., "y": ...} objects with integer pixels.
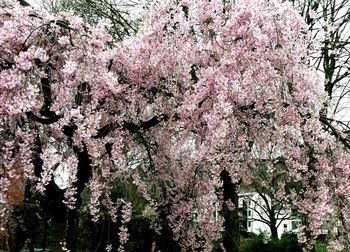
[
  {"x": 267, "y": 210},
  {"x": 117, "y": 12},
  {"x": 328, "y": 22},
  {"x": 265, "y": 197}
]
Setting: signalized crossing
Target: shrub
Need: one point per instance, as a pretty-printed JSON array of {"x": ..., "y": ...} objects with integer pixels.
[{"x": 287, "y": 243}]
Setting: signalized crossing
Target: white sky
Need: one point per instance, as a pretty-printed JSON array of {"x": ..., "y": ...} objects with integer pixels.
[{"x": 35, "y": 3}]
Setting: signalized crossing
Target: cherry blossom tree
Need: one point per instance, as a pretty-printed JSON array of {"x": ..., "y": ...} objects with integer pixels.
[
  {"x": 185, "y": 110},
  {"x": 46, "y": 66},
  {"x": 328, "y": 24}
]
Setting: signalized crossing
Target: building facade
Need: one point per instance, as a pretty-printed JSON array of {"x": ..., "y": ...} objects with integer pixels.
[{"x": 254, "y": 214}]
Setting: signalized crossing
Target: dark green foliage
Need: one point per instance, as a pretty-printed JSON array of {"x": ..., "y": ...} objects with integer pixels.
[
  {"x": 29, "y": 225},
  {"x": 141, "y": 237},
  {"x": 130, "y": 193},
  {"x": 287, "y": 243},
  {"x": 124, "y": 190},
  {"x": 27, "y": 228}
]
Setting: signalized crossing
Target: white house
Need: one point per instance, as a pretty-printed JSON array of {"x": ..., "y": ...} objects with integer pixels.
[{"x": 254, "y": 215}]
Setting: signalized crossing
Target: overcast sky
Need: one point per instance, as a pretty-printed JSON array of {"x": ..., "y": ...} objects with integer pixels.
[{"x": 34, "y": 3}]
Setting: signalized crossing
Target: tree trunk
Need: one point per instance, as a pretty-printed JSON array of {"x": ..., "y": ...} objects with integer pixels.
[
  {"x": 45, "y": 231},
  {"x": 273, "y": 229},
  {"x": 164, "y": 241},
  {"x": 231, "y": 217},
  {"x": 273, "y": 221},
  {"x": 71, "y": 229}
]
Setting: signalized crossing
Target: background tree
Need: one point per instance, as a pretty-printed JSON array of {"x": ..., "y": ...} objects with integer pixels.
[
  {"x": 121, "y": 14},
  {"x": 328, "y": 24},
  {"x": 271, "y": 206}
]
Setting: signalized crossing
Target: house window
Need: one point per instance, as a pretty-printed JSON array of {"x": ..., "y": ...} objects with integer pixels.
[
  {"x": 249, "y": 224},
  {"x": 285, "y": 226},
  {"x": 245, "y": 203},
  {"x": 249, "y": 213}
]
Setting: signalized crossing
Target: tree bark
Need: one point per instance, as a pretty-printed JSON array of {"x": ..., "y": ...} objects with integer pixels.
[
  {"x": 231, "y": 218},
  {"x": 273, "y": 229},
  {"x": 71, "y": 228}
]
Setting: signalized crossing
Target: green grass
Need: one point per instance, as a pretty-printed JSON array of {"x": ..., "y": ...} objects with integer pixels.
[{"x": 320, "y": 247}]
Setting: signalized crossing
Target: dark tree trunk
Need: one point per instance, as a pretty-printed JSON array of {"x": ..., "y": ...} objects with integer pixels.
[
  {"x": 231, "y": 217},
  {"x": 46, "y": 226},
  {"x": 84, "y": 173},
  {"x": 273, "y": 221},
  {"x": 52, "y": 202},
  {"x": 147, "y": 241},
  {"x": 273, "y": 229},
  {"x": 164, "y": 241},
  {"x": 71, "y": 228}
]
